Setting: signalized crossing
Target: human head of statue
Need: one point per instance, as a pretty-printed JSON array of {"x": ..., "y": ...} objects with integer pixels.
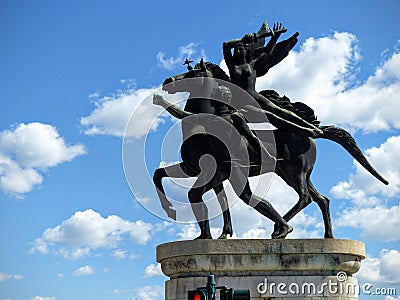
[{"x": 241, "y": 53}]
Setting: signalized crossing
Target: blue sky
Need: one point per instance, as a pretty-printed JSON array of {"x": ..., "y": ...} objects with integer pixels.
[{"x": 71, "y": 73}]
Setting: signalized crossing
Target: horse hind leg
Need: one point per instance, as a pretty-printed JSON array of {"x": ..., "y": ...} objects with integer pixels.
[
  {"x": 175, "y": 171},
  {"x": 323, "y": 203},
  {"x": 300, "y": 184},
  {"x": 223, "y": 202}
]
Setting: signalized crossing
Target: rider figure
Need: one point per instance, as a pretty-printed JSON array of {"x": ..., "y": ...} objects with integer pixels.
[
  {"x": 222, "y": 99},
  {"x": 244, "y": 67}
]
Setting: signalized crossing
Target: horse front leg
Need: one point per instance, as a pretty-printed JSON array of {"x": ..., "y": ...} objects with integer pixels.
[
  {"x": 223, "y": 202},
  {"x": 174, "y": 171}
]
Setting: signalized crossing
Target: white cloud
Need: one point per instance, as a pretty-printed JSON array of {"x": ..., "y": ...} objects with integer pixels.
[
  {"x": 149, "y": 293},
  {"x": 119, "y": 254},
  {"x": 323, "y": 75},
  {"x": 377, "y": 223},
  {"x": 371, "y": 199},
  {"x": 112, "y": 113},
  {"x": 188, "y": 232},
  {"x": 27, "y": 149},
  {"x": 84, "y": 271},
  {"x": 153, "y": 270},
  {"x": 37, "y": 145},
  {"x": 317, "y": 71},
  {"x": 122, "y": 254},
  {"x": 15, "y": 179},
  {"x": 361, "y": 184},
  {"x": 187, "y": 51},
  {"x": 122, "y": 291},
  {"x": 43, "y": 298},
  {"x": 72, "y": 254},
  {"x": 88, "y": 230},
  {"x": 4, "y": 276},
  {"x": 384, "y": 269}
]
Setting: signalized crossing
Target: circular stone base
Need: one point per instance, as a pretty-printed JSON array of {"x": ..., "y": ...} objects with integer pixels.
[{"x": 303, "y": 268}]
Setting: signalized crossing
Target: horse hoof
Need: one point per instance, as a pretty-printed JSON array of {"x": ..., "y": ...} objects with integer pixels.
[
  {"x": 284, "y": 231},
  {"x": 276, "y": 231},
  {"x": 223, "y": 236}
]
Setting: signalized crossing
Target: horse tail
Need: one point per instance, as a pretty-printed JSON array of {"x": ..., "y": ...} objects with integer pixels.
[{"x": 343, "y": 138}]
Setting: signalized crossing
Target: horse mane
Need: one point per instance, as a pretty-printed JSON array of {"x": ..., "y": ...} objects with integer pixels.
[{"x": 215, "y": 70}]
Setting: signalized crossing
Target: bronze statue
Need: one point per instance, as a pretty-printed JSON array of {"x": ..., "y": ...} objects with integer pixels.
[{"x": 296, "y": 127}]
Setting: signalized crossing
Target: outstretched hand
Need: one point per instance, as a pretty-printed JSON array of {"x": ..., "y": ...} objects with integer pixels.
[
  {"x": 158, "y": 99},
  {"x": 278, "y": 28}
]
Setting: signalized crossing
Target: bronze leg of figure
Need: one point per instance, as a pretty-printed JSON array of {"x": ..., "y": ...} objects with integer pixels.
[
  {"x": 201, "y": 186},
  {"x": 241, "y": 186}
]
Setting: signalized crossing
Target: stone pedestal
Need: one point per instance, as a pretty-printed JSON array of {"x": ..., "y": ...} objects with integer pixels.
[{"x": 284, "y": 269}]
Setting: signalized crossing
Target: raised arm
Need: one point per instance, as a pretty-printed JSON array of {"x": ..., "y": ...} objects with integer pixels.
[
  {"x": 277, "y": 30},
  {"x": 172, "y": 109},
  {"x": 229, "y": 45},
  {"x": 286, "y": 122},
  {"x": 227, "y": 51}
]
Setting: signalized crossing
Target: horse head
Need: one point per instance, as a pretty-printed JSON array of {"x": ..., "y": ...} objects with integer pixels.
[{"x": 190, "y": 81}]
